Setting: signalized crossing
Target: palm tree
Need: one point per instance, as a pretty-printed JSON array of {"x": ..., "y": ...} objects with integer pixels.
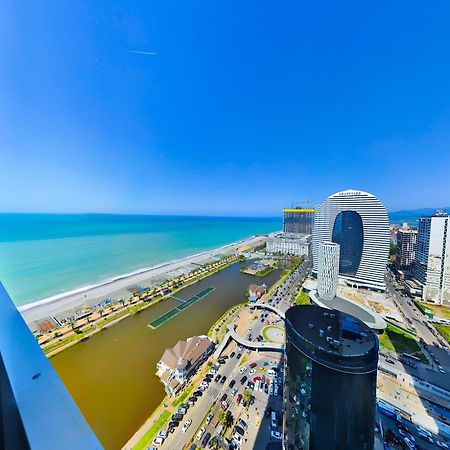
[
  {"x": 247, "y": 396},
  {"x": 226, "y": 419}
]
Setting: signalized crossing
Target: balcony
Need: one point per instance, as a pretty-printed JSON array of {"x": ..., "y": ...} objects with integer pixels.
[{"x": 36, "y": 412}]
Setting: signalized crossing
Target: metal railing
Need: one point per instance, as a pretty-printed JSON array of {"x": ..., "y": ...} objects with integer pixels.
[{"x": 36, "y": 410}]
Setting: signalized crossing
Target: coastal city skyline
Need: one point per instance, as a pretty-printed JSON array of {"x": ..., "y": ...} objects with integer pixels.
[
  {"x": 225, "y": 225},
  {"x": 185, "y": 110}
]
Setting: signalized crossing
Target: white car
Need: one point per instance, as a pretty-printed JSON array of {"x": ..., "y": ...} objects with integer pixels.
[
  {"x": 441, "y": 369},
  {"x": 162, "y": 434},
  {"x": 200, "y": 433},
  {"x": 251, "y": 372},
  {"x": 242, "y": 369},
  {"x": 186, "y": 425},
  {"x": 276, "y": 435},
  {"x": 442, "y": 444},
  {"x": 158, "y": 441}
]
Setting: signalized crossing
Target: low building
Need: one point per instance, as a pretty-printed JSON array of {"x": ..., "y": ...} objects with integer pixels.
[
  {"x": 178, "y": 363},
  {"x": 255, "y": 292},
  {"x": 413, "y": 289},
  {"x": 289, "y": 244}
]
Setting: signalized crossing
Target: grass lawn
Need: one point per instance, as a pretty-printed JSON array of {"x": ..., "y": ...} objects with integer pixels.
[
  {"x": 186, "y": 393},
  {"x": 265, "y": 272},
  {"x": 444, "y": 330},
  {"x": 438, "y": 311},
  {"x": 399, "y": 341},
  {"x": 264, "y": 333},
  {"x": 152, "y": 432},
  {"x": 302, "y": 298}
]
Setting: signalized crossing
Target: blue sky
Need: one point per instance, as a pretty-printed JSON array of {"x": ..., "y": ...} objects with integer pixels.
[{"x": 246, "y": 106}]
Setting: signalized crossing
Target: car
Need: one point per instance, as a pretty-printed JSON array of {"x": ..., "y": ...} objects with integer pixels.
[
  {"x": 441, "y": 369},
  {"x": 192, "y": 400},
  {"x": 206, "y": 439},
  {"x": 240, "y": 347},
  {"x": 217, "y": 378},
  {"x": 158, "y": 441},
  {"x": 239, "y": 398},
  {"x": 224, "y": 405},
  {"x": 239, "y": 430},
  {"x": 242, "y": 424},
  {"x": 251, "y": 385},
  {"x": 186, "y": 425},
  {"x": 239, "y": 356},
  {"x": 238, "y": 438},
  {"x": 409, "y": 443},
  {"x": 224, "y": 397},
  {"x": 200, "y": 433},
  {"x": 253, "y": 365},
  {"x": 209, "y": 418},
  {"x": 181, "y": 411},
  {"x": 242, "y": 369},
  {"x": 442, "y": 444},
  {"x": 243, "y": 379},
  {"x": 197, "y": 394},
  {"x": 275, "y": 435},
  {"x": 232, "y": 383},
  {"x": 252, "y": 371},
  {"x": 223, "y": 379},
  {"x": 162, "y": 434},
  {"x": 204, "y": 384},
  {"x": 202, "y": 388},
  {"x": 232, "y": 354},
  {"x": 177, "y": 417},
  {"x": 173, "y": 424},
  {"x": 221, "y": 361}
]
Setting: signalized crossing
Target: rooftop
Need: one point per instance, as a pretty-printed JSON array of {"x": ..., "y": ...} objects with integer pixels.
[{"x": 331, "y": 338}]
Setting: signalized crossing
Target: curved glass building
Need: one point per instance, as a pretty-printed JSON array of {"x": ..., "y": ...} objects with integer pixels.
[
  {"x": 359, "y": 223},
  {"x": 330, "y": 381}
]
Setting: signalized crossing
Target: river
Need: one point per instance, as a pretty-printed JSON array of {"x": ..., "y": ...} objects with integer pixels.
[{"x": 112, "y": 377}]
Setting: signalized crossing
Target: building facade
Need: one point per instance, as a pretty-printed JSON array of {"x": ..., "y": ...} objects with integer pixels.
[
  {"x": 298, "y": 220},
  {"x": 178, "y": 363},
  {"x": 406, "y": 248},
  {"x": 330, "y": 385},
  {"x": 328, "y": 270},
  {"x": 289, "y": 244},
  {"x": 432, "y": 264},
  {"x": 359, "y": 223}
]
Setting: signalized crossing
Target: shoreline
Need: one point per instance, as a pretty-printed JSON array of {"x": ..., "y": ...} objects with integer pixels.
[{"x": 117, "y": 286}]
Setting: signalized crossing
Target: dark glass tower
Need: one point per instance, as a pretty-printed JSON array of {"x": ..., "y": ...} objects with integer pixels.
[
  {"x": 348, "y": 233},
  {"x": 330, "y": 384}
]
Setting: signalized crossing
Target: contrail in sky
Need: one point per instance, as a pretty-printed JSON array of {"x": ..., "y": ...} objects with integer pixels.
[{"x": 136, "y": 52}]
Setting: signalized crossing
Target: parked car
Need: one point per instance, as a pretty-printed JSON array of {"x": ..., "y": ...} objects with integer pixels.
[
  {"x": 186, "y": 425},
  {"x": 275, "y": 435},
  {"x": 232, "y": 383},
  {"x": 243, "y": 379}
]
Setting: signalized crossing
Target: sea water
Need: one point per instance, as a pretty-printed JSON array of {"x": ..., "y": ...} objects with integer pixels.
[{"x": 46, "y": 254}]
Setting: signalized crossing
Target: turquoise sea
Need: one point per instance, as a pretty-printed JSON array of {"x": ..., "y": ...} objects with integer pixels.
[{"x": 45, "y": 254}]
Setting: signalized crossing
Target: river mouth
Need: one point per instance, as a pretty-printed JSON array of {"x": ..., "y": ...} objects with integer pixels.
[{"x": 112, "y": 377}]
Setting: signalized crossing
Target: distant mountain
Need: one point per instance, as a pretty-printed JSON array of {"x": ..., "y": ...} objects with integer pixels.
[{"x": 412, "y": 215}]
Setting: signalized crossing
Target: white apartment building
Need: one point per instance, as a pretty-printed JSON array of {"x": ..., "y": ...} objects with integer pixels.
[
  {"x": 328, "y": 270},
  {"x": 358, "y": 222},
  {"x": 432, "y": 265},
  {"x": 289, "y": 244}
]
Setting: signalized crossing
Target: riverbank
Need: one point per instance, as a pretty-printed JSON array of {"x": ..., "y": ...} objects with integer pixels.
[
  {"x": 65, "y": 303},
  {"x": 80, "y": 330}
]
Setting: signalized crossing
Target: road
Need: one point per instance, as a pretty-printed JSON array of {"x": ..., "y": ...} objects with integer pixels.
[{"x": 432, "y": 348}]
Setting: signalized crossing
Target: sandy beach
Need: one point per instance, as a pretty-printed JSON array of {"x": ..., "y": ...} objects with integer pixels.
[{"x": 66, "y": 303}]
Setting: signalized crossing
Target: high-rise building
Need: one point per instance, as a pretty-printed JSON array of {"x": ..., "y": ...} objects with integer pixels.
[
  {"x": 328, "y": 270},
  {"x": 359, "y": 223},
  {"x": 406, "y": 248},
  {"x": 432, "y": 264},
  {"x": 298, "y": 220},
  {"x": 330, "y": 381}
]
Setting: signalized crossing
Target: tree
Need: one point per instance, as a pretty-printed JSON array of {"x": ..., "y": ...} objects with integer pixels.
[
  {"x": 247, "y": 396},
  {"x": 226, "y": 419}
]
